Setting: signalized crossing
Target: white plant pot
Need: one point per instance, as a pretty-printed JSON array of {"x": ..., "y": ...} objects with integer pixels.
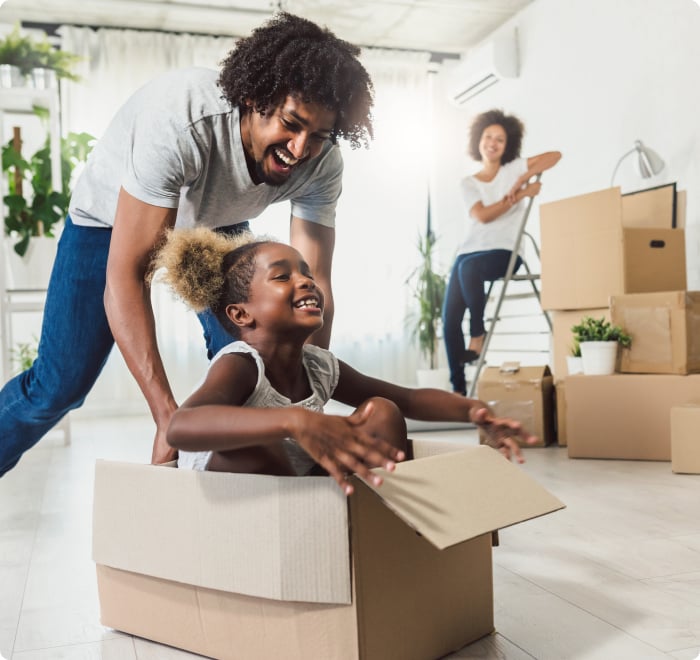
[
  {"x": 598, "y": 357},
  {"x": 42, "y": 78},
  {"x": 32, "y": 271},
  {"x": 11, "y": 76},
  {"x": 574, "y": 364},
  {"x": 434, "y": 378}
]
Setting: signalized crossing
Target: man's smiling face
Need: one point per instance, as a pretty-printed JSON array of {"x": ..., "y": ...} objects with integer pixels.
[{"x": 291, "y": 134}]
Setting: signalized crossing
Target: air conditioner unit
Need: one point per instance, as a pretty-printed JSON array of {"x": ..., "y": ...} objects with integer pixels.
[{"x": 484, "y": 66}]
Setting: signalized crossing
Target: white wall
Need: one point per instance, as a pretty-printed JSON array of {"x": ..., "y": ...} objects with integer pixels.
[{"x": 595, "y": 76}]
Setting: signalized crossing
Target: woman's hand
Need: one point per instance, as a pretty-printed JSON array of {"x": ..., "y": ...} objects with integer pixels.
[
  {"x": 502, "y": 433},
  {"x": 342, "y": 445}
]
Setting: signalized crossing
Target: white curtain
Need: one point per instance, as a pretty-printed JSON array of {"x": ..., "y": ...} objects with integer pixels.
[{"x": 380, "y": 214}]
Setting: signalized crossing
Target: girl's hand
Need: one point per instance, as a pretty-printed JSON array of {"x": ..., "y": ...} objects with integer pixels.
[
  {"x": 503, "y": 434},
  {"x": 343, "y": 446}
]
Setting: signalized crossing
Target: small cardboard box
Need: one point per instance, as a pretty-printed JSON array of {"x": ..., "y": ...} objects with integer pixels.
[
  {"x": 522, "y": 393},
  {"x": 665, "y": 331},
  {"x": 624, "y": 416},
  {"x": 563, "y": 337},
  {"x": 239, "y": 566},
  {"x": 685, "y": 438},
  {"x": 588, "y": 254}
]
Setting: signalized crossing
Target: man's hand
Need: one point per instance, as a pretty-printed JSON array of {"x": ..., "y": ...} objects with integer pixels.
[
  {"x": 162, "y": 451},
  {"x": 342, "y": 445},
  {"x": 503, "y": 434}
]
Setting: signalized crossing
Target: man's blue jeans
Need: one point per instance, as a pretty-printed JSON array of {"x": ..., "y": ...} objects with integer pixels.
[
  {"x": 74, "y": 344},
  {"x": 465, "y": 290}
]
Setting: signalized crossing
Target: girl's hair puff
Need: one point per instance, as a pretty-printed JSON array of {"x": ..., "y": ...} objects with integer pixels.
[
  {"x": 193, "y": 261},
  {"x": 208, "y": 270}
]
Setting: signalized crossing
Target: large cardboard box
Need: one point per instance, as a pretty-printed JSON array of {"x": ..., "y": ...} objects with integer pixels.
[
  {"x": 624, "y": 416},
  {"x": 563, "y": 338},
  {"x": 685, "y": 438},
  {"x": 256, "y": 567},
  {"x": 588, "y": 254},
  {"x": 522, "y": 393},
  {"x": 665, "y": 331}
]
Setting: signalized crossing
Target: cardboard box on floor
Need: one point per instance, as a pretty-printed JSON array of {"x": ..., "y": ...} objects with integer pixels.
[
  {"x": 685, "y": 438},
  {"x": 522, "y": 393},
  {"x": 588, "y": 254},
  {"x": 560, "y": 399},
  {"x": 256, "y": 567},
  {"x": 624, "y": 416},
  {"x": 665, "y": 331},
  {"x": 563, "y": 337}
]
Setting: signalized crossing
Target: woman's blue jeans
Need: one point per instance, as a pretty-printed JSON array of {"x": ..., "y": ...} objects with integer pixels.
[
  {"x": 74, "y": 344},
  {"x": 465, "y": 291}
]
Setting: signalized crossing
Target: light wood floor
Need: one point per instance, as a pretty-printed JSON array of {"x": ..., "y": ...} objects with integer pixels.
[{"x": 614, "y": 576}]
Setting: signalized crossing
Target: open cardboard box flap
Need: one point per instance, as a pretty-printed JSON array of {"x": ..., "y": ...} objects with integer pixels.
[
  {"x": 287, "y": 538},
  {"x": 455, "y": 497}
]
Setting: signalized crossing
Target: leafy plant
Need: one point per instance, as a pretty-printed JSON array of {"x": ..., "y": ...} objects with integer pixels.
[
  {"x": 429, "y": 291},
  {"x": 23, "y": 354},
  {"x": 38, "y": 213},
  {"x": 576, "y": 349},
  {"x": 27, "y": 54},
  {"x": 591, "y": 329}
]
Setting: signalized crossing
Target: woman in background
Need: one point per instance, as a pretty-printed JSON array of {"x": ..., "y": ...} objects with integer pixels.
[{"x": 494, "y": 199}]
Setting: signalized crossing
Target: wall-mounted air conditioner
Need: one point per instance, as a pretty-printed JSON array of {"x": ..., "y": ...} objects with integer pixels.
[{"x": 484, "y": 66}]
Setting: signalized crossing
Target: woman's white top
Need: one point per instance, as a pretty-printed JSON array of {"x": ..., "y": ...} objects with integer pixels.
[
  {"x": 499, "y": 234},
  {"x": 322, "y": 370}
]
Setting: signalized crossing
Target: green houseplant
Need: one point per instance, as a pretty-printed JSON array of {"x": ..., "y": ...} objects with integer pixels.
[
  {"x": 37, "y": 213},
  {"x": 599, "y": 340},
  {"x": 26, "y": 53},
  {"x": 429, "y": 292}
]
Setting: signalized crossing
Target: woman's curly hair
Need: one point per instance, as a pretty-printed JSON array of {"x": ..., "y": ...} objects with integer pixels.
[
  {"x": 290, "y": 55},
  {"x": 208, "y": 270},
  {"x": 513, "y": 127}
]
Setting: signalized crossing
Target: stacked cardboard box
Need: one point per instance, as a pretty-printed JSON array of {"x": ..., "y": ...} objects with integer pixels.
[
  {"x": 620, "y": 257},
  {"x": 241, "y": 566},
  {"x": 522, "y": 393}
]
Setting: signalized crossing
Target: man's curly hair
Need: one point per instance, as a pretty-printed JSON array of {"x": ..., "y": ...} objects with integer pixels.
[
  {"x": 513, "y": 127},
  {"x": 290, "y": 55},
  {"x": 208, "y": 270}
]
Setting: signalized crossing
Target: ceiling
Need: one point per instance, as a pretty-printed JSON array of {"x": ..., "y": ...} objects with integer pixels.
[{"x": 439, "y": 26}]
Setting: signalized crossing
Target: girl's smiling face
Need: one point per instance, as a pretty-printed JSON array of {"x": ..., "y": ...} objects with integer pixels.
[{"x": 283, "y": 294}]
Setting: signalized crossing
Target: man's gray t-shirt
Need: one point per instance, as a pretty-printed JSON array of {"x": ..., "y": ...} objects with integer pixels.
[{"x": 177, "y": 144}]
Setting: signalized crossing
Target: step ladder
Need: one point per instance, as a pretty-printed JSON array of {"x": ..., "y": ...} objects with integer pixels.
[{"x": 502, "y": 294}]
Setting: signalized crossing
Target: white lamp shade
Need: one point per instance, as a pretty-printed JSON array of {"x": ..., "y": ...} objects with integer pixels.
[{"x": 648, "y": 161}]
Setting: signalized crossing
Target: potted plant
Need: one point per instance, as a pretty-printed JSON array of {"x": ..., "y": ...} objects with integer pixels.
[
  {"x": 429, "y": 292},
  {"x": 599, "y": 340},
  {"x": 38, "y": 212},
  {"x": 574, "y": 361},
  {"x": 22, "y": 55}
]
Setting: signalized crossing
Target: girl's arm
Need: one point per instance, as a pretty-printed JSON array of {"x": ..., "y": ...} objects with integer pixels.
[
  {"x": 215, "y": 419},
  {"x": 433, "y": 405}
]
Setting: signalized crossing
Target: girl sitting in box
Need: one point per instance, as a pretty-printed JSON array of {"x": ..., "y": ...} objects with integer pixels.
[{"x": 259, "y": 408}]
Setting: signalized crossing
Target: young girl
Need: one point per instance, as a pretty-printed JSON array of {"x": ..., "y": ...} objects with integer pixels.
[{"x": 259, "y": 408}]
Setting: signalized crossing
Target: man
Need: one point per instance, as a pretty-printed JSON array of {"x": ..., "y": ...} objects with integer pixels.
[{"x": 189, "y": 149}]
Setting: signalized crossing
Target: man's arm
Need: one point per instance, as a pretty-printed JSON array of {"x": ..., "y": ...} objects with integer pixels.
[
  {"x": 138, "y": 230},
  {"x": 316, "y": 244}
]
